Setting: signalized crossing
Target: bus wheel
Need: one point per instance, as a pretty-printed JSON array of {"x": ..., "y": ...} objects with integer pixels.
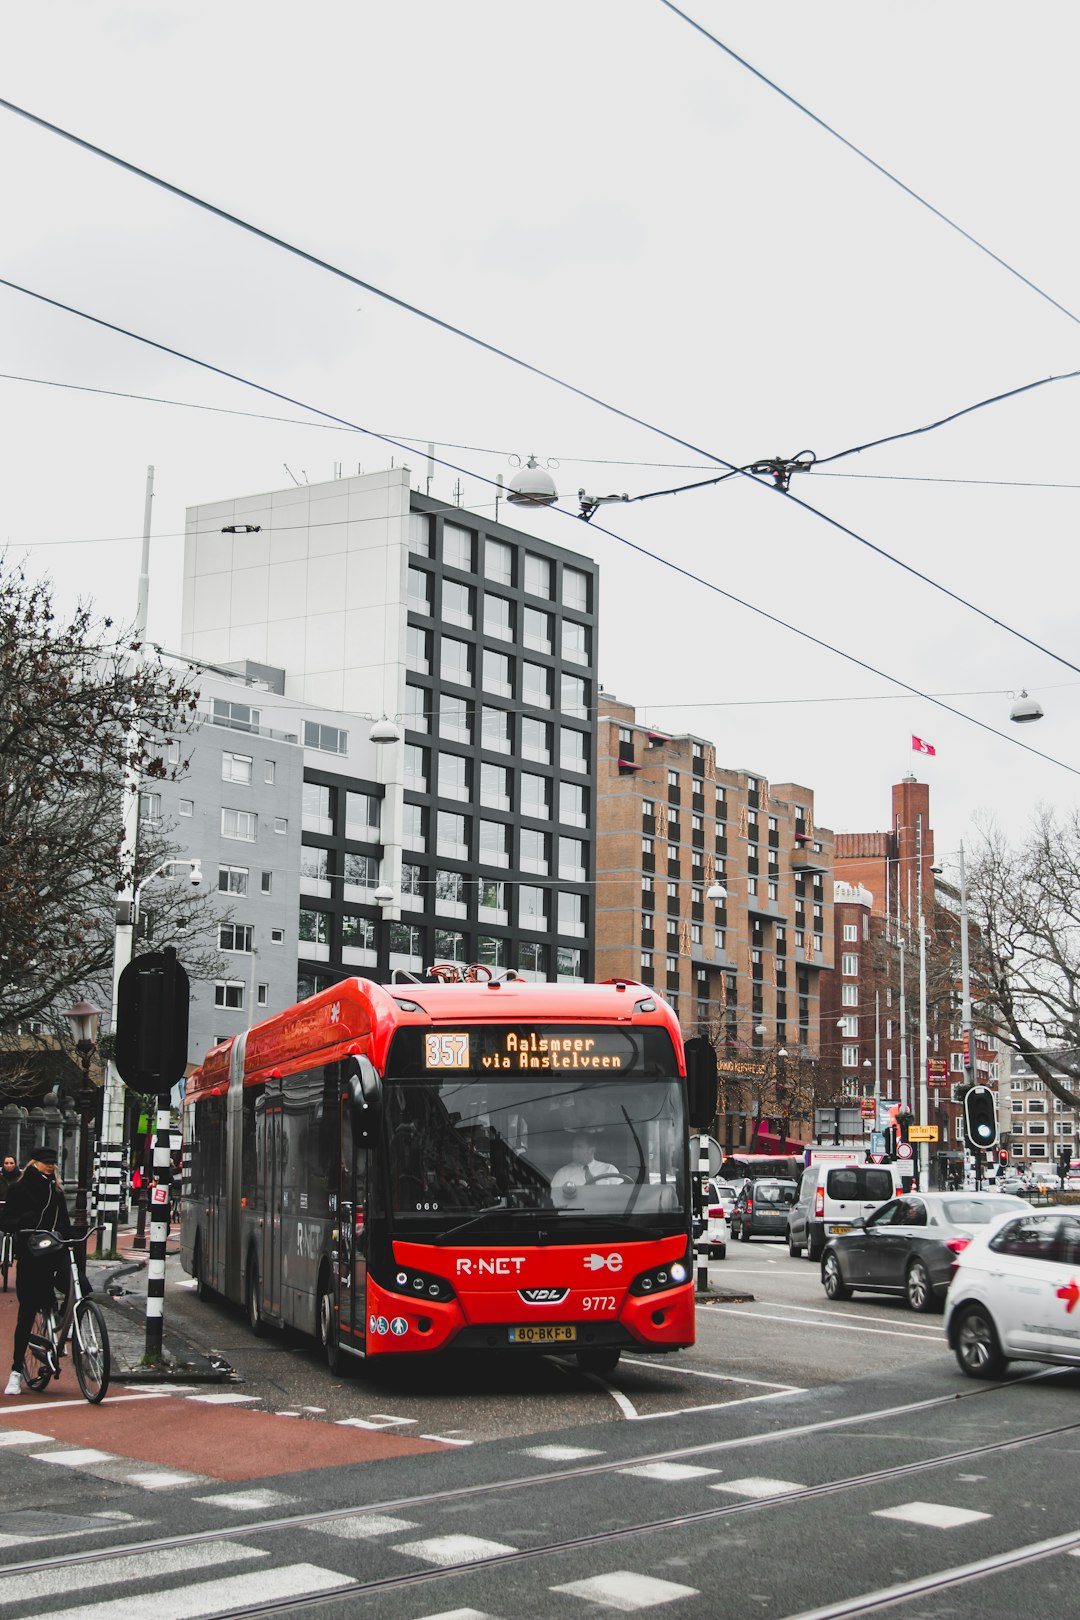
[
  {"x": 254, "y": 1300},
  {"x": 598, "y": 1360},
  {"x": 326, "y": 1325}
]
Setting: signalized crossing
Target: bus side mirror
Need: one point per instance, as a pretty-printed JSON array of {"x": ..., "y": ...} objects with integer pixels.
[
  {"x": 700, "y": 1082},
  {"x": 362, "y": 1086}
]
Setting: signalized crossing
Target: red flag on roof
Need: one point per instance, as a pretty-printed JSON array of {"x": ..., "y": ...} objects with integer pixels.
[{"x": 922, "y": 747}]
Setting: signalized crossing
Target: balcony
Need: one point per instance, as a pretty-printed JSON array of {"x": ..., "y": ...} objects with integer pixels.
[{"x": 807, "y": 857}]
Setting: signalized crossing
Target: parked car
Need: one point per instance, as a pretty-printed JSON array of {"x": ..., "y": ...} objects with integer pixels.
[
  {"x": 910, "y": 1245},
  {"x": 717, "y": 1211},
  {"x": 832, "y": 1196},
  {"x": 1015, "y": 1293},
  {"x": 762, "y": 1208}
]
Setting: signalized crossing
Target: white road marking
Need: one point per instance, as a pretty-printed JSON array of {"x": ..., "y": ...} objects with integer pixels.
[
  {"x": 23, "y": 1437},
  {"x": 626, "y": 1591},
  {"x": 78, "y": 1457},
  {"x": 935, "y": 1515},
  {"x": 47, "y": 1583},
  {"x": 377, "y": 1420},
  {"x": 722, "y": 1406},
  {"x": 758, "y": 1487},
  {"x": 360, "y": 1526},
  {"x": 446, "y": 1439},
  {"x": 164, "y": 1480},
  {"x": 224, "y": 1398},
  {"x": 693, "y": 1372},
  {"x": 114, "y": 1400},
  {"x": 560, "y": 1453},
  {"x": 668, "y": 1471},
  {"x": 248, "y": 1501},
  {"x": 387, "y": 1417},
  {"x": 458, "y": 1614},
  {"x": 825, "y": 1311},
  {"x": 838, "y": 1327},
  {"x": 210, "y": 1597},
  {"x": 447, "y": 1550}
]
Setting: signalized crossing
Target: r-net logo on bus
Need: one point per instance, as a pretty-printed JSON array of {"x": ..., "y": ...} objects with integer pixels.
[{"x": 531, "y": 1048}]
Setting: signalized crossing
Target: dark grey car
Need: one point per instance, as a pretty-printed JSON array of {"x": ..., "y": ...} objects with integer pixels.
[
  {"x": 910, "y": 1245},
  {"x": 762, "y": 1209}
]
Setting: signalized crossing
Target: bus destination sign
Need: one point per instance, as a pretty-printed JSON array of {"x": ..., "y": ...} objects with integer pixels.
[{"x": 530, "y": 1048}]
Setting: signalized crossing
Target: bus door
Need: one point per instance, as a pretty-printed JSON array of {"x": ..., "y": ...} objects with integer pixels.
[
  {"x": 272, "y": 1167},
  {"x": 352, "y": 1264}
]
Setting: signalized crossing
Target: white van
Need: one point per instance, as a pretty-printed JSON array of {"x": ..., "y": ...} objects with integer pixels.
[{"x": 832, "y": 1195}]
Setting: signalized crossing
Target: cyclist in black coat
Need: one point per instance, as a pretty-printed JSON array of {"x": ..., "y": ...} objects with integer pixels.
[{"x": 34, "y": 1203}]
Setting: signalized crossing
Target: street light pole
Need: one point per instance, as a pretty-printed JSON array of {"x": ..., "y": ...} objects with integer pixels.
[{"x": 84, "y": 1017}]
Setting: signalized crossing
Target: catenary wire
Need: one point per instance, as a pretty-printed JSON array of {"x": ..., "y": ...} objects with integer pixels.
[
  {"x": 874, "y": 164},
  {"x": 482, "y": 343},
  {"x": 644, "y": 551},
  {"x": 577, "y": 461}
]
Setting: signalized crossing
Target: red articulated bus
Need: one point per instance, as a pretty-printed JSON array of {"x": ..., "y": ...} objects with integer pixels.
[{"x": 486, "y": 1164}]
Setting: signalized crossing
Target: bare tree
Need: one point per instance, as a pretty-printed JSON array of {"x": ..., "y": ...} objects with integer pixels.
[
  {"x": 1025, "y": 907},
  {"x": 78, "y": 709}
]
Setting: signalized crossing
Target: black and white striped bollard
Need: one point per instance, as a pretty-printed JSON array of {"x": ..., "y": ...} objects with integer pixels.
[{"x": 159, "y": 1230}]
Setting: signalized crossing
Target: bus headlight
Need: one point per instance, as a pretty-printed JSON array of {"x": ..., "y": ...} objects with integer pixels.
[
  {"x": 421, "y": 1284},
  {"x": 657, "y": 1278}
]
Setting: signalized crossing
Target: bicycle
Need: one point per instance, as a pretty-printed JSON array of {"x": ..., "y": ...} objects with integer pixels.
[
  {"x": 7, "y": 1256},
  {"x": 82, "y": 1319}
]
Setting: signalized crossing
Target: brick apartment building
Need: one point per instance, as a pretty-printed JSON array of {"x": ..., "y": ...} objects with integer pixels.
[{"x": 743, "y": 967}]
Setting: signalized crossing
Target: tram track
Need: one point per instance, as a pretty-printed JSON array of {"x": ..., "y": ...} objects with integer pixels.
[{"x": 87, "y": 1557}]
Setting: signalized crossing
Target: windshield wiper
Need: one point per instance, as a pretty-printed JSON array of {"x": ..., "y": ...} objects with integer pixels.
[{"x": 501, "y": 1208}]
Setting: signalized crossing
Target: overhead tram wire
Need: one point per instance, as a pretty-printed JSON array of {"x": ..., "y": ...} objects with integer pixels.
[
  {"x": 665, "y": 562},
  {"x": 446, "y": 326},
  {"x": 414, "y": 440},
  {"x": 874, "y": 164}
]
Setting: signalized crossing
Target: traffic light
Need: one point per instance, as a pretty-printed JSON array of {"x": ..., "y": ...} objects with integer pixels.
[
  {"x": 1003, "y": 1157},
  {"x": 980, "y": 1118}
]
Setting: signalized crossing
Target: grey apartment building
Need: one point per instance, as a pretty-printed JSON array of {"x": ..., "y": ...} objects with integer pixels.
[{"x": 470, "y": 836}]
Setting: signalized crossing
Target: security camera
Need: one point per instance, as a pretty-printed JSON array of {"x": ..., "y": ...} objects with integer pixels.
[{"x": 196, "y": 877}]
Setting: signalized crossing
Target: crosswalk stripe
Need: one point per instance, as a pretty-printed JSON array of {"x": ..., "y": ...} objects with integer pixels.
[
  {"x": 77, "y": 1457},
  {"x": 210, "y": 1597},
  {"x": 47, "y": 1583}
]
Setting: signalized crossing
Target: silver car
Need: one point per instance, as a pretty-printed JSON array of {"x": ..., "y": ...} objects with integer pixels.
[{"x": 910, "y": 1246}]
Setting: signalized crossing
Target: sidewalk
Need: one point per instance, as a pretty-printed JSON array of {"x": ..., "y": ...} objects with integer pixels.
[{"x": 120, "y": 1289}]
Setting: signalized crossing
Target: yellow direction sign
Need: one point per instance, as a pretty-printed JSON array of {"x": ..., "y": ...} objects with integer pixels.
[{"x": 922, "y": 1133}]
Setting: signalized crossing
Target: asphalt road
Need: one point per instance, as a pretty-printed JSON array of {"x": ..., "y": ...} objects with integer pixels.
[{"x": 788, "y": 1337}]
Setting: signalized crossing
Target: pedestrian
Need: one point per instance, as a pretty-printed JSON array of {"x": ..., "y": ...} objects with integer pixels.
[
  {"x": 35, "y": 1203},
  {"x": 9, "y": 1175}
]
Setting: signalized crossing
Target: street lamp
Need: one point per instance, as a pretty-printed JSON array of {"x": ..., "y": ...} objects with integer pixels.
[{"x": 84, "y": 1018}]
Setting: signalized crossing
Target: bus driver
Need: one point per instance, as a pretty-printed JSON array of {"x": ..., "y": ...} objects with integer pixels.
[{"x": 584, "y": 1170}]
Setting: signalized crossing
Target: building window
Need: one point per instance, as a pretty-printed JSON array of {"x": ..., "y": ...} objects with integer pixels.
[
  {"x": 452, "y": 835},
  {"x": 536, "y": 631},
  {"x": 535, "y": 740},
  {"x": 315, "y": 928},
  {"x": 419, "y": 592},
  {"x": 232, "y": 880},
  {"x": 455, "y": 661},
  {"x": 417, "y": 703},
  {"x": 573, "y": 755},
  {"x": 849, "y": 995},
  {"x": 575, "y": 642},
  {"x": 277, "y": 936},
  {"x": 491, "y": 951},
  {"x": 269, "y": 770},
  {"x": 572, "y": 803},
  {"x": 494, "y": 843},
  {"x": 405, "y": 940},
  {"x": 234, "y": 937},
  {"x": 849, "y": 1024},
  {"x": 457, "y": 547},
  {"x": 536, "y": 685},
  {"x": 575, "y": 589},
  {"x": 317, "y": 808},
  {"x": 449, "y": 946},
  {"x": 499, "y": 562},
  {"x": 568, "y": 965},
  {"x": 450, "y": 894},
  {"x": 415, "y": 769},
  {"x": 648, "y": 847},
  {"x": 457, "y": 604},
  {"x": 498, "y": 674},
  {"x": 454, "y": 720},
  {"x": 851, "y": 933},
  {"x": 413, "y": 828},
  {"x": 281, "y": 824},
  {"x": 849, "y": 1057},
  {"x": 495, "y": 730},
  {"x": 150, "y": 808},
  {"x": 228, "y": 993},
  {"x": 314, "y": 866},
  {"x": 360, "y": 876},
  {"x": 362, "y": 815},
  {"x": 239, "y": 824},
  {"x": 327, "y": 739},
  {"x": 534, "y": 851},
  {"x": 237, "y": 716},
  {"x": 357, "y": 934},
  {"x": 172, "y": 753},
  {"x": 495, "y": 787},
  {"x": 532, "y": 960},
  {"x": 849, "y": 964},
  {"x": 537, "y": 576},
  {"x": 491, "y": 902},
  {"x": 572, "y": 860},
  {"x": 574, "y": 697},
  {"x": 534, "y": 796},
  {"x": 498, "y": 618},
  {"x": 187, "y": 807},
  {"x": 646, "y": 962},
  {"x": 420, "y": 534},
  {"x": 532, "y": 908},
  {"x": 236, "y": 768},
  {"x": 418, "y": 650},
  {"x": 453, "y": 776},
  {"x": 262, "y": 995}
]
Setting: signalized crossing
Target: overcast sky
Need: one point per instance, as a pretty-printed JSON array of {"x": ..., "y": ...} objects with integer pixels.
[{"x": 595, "y": 187}]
